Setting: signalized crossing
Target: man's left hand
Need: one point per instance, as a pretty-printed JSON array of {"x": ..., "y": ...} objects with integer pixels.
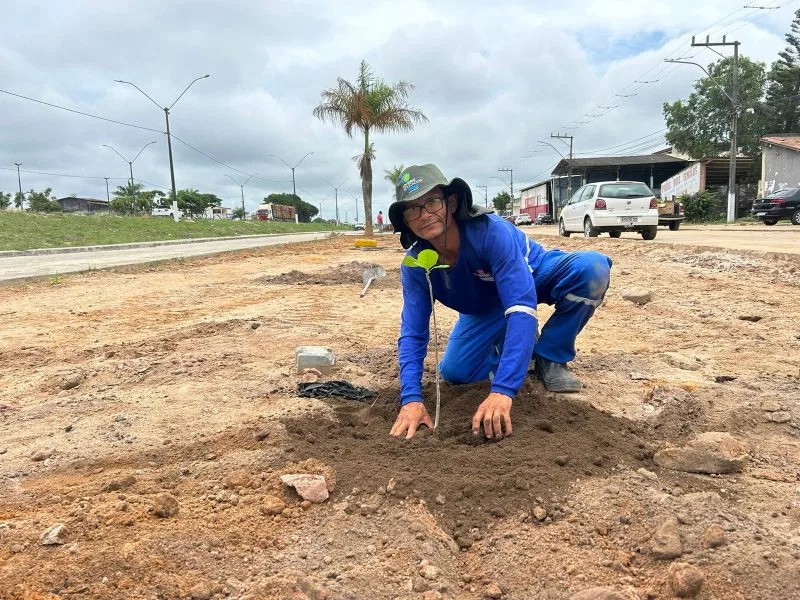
[{"x": 494, "y": 412}]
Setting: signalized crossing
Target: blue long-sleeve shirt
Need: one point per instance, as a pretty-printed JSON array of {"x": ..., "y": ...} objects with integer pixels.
[{"x": 493, "y": 269}]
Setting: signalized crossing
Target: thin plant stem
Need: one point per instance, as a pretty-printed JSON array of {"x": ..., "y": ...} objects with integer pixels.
[{"x": 435, "y": 349}]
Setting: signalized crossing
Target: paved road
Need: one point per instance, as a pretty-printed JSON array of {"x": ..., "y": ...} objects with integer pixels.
[
  {"x": 22, "y": 267},
  {"x": 779, "y": 238}
]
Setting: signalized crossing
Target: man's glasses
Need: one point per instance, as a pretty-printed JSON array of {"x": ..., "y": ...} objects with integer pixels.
[{"x": 414, "y": 212}]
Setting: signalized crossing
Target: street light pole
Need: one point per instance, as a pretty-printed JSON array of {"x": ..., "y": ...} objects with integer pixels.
[
  {"x": 108, "y": 195},
  {"x": 241, "y": 187},
  {"x": 511, "y": 171},
  {"x": 294, "y": 188},
  {"x": 485, "y": 194},
  {"x": 166, "y": 110},
  {"x": 130, "y": 164},
  {"x": 734, "y": 100},
  {"x": 19, "y": 180},
  {"x": 336, "y": 195}
]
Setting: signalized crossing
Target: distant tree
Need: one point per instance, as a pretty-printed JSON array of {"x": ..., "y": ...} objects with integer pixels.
[
  {"x": 5, "y": 200},
  {"x": 238, "y": 213},
  {"x": 305, "y": 211},
  {"x": 19, "y": 200},
  {"x": 195, "y": 203},
  {"x": 502, "y": 201},
  {"x": 43, "y": 201},
  {"x": 700, "y": 127},
  {"x": 129, "y": 189},
  {"x": 369, "y": 104},
  {"x": 393, "y": 176},
  {"x": 782, "y": 106}
]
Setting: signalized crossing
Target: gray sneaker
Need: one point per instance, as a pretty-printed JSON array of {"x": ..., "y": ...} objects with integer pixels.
[{"x": 556, "y": 377}]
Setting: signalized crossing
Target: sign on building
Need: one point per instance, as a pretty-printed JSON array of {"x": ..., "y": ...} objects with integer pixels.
[{"x": 688, "y": 181}]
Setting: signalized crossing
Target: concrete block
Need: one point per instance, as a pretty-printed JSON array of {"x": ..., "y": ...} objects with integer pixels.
[{"x": 314, "y": 357}]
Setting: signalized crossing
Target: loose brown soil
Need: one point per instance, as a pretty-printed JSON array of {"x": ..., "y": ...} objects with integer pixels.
[{"x": 152, "y": 381}]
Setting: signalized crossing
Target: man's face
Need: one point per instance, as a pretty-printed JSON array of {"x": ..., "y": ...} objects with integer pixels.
[{"x": 425, "y": 216}]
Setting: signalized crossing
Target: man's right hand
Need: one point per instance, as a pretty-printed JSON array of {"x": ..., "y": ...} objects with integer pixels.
[{"x": 410, "y": 417}]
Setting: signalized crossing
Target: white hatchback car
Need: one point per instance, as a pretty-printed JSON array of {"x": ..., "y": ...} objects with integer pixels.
[{"x": 611, "y": 207}]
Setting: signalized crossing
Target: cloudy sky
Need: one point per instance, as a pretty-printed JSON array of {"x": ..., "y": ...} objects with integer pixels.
[{"x": 493, "y": 78}]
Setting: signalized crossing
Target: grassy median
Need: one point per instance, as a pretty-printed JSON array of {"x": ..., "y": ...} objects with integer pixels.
[{"x": 24, "y": 231}]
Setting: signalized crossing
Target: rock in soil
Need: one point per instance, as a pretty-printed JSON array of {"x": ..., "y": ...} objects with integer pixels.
[
  {"x": 310, "y": 487},
  {"x": 165, "y": 505},
  {"x": 598, "y": 593},
  {"x": 53, "y": 535},
  {"x": 710, "y": 452},
  {"x": 685, "y": 580},
  {"x": 201, "y": 591},
  {"x": 72, "y": 381},
  {"x": 714, "y": 536},
  {"x": 272, "y": 505},
  {"x": 637, "y": 295},
  {"x": 237, "y": 479},
  {"x": 493, "y": 591},
  {"x": 667, "y": 540},
  {"x": 42, "y": 454}
]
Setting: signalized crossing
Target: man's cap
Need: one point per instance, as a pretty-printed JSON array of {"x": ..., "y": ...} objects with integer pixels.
[{"x": 416, "y": 181}]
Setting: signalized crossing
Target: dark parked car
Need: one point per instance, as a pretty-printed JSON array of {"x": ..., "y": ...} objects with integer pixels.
[
  {"x": 544, "y": 219},
  {"x": 783, "y": 204}
]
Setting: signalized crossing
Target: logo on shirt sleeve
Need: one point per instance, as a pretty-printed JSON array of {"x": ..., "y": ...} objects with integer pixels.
[{"x": 483, "y": 275}]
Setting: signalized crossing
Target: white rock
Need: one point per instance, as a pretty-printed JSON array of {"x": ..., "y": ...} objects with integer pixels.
[
  {"x": 52, "y": 536},
  {"x": 637, "y": 294},
  {"x": 310, "y": 487}
]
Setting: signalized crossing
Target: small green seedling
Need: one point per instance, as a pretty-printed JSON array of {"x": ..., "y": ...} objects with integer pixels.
[{"x": 427, "y": 260}]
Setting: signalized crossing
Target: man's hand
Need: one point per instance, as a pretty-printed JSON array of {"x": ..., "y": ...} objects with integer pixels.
[
  {"x": 493, "y": 413},
  {"x": 410, "y": 417}
]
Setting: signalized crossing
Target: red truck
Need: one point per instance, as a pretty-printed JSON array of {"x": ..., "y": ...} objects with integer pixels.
[{"x": 275, "y": 212}]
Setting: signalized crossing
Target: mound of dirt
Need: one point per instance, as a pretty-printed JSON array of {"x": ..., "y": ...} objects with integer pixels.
[
  {"x": 466, "y": 480},
  {"x": 348, "y": 273}
]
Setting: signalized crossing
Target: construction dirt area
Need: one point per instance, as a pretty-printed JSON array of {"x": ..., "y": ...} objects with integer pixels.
[{"x": 148, "y": 413}]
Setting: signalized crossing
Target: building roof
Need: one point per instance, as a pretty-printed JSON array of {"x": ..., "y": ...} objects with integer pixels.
[
  {"x": 613, "y": 161},
  {"x": 94, "y": 200},
  {"x": 787, "y": 141},
  {"x": 533, "y": 185}
]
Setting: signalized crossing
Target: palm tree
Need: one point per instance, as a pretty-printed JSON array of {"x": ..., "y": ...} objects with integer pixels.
[
  {"x": 368, "y": 104},
  {"x": 393, "y": 176}
]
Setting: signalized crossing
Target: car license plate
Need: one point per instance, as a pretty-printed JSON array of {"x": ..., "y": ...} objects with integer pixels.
[
  {"x": 760, "y": 214},
  {"x": 629, "y": 219}
]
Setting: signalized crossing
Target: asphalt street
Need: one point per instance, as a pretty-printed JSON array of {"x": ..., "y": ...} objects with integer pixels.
[{"x": 23, "y": 267}]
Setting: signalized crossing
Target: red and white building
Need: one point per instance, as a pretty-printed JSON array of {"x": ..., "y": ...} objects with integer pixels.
[{"x": 535, "y": 199}]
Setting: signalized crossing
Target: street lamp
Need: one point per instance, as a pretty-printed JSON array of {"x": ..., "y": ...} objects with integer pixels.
[
  {"x": 166, "y": 110},
  {"x": 294, "y": 189},
  {"x": 19, "y": 180},
  {"x": 130, "y": 162},
  {"x": 241, "y": 186},
  {"x": 569, "y": 173},
  {"x": 336, "y": 190},
  {"x": 734, "y": 121}
]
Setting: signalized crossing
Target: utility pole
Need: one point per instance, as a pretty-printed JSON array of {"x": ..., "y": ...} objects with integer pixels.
[
  {"x": 734, "y": 98},
  {"x": 485, "y": 194},
  {"x": 336, "y": 198},
  {"x": 166, "y": 110},
  {"x": 19, "y": 180},
  {"x": 562, "y": 137},
  {"x": 108, "y": 196},
  {"x": 356, "y": 199},
  {"x": 294, "y": 188},
  {"x": 511, "y": 172},
  {"x": 241, "y": 188}
]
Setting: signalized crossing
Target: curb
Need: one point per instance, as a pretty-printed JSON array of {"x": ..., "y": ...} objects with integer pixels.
[{"x": 74, "y": 249}]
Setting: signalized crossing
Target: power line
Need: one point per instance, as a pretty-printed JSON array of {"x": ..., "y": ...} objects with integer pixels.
[
  {"x": 624, "y": 143},
  {"x": 62, "y": 174},
  {"x": 78, "y": 112},
  {"x": 219, "y": 162}
]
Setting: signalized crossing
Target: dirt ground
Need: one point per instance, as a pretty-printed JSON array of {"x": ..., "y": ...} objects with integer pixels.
[{"x": 151, "y": 411}]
